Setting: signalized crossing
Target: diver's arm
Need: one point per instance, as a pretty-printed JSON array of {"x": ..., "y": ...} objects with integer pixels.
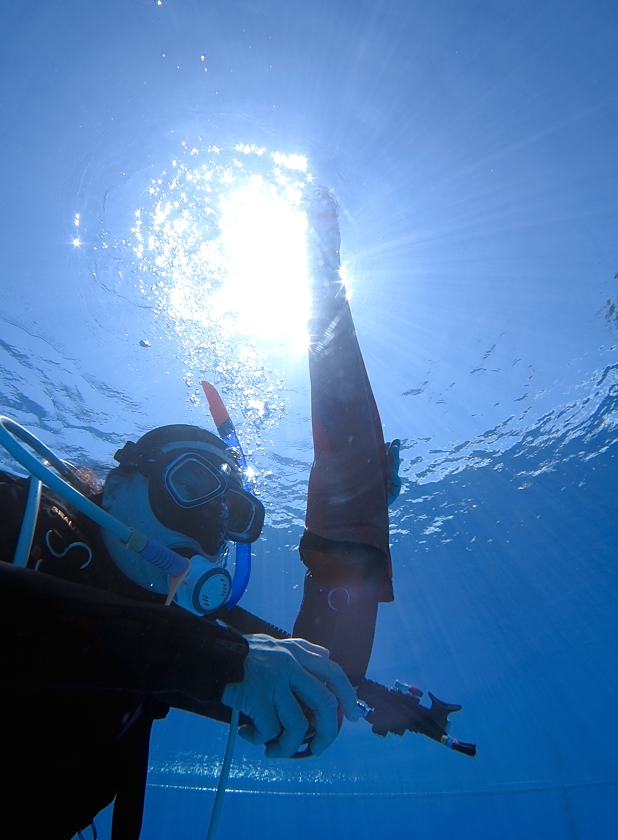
[
  {"x": 346, "y": 543},
  {"x": 63, "y": 636},
  {"x": 347, "y": 497}
]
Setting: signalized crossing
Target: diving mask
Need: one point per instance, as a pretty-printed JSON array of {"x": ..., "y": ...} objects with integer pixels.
[{"x": 195, "y": 486}]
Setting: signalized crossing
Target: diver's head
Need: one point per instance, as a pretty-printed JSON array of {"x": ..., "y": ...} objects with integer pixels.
[{"x": 179, "y": 485}]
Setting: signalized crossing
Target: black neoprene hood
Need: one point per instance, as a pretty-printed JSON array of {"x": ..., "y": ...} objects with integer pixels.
[{"x": 135, "y": 456}]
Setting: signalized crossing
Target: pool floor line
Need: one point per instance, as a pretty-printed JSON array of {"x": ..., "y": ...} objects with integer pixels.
[{"x": 392, "y": 795}]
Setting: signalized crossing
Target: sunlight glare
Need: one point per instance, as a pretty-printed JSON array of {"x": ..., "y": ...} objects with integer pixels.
[{"x": 266, "y": 288}]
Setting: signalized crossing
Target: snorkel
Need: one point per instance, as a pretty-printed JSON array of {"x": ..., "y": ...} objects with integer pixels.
[{"x": 228, "y": 435}]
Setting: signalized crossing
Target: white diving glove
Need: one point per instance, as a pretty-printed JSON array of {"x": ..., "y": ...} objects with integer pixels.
[{"x": 278, "y": 673}]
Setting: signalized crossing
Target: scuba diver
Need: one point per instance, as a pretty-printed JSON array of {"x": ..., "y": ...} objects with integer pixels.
[{"x": 93, "y": 655}]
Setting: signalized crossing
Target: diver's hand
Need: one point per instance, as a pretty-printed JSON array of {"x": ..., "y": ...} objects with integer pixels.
[
  {"x": 322, "y": 203},
  {"x": 277, "y": 672},
  {"x": 324, "y": 238}
]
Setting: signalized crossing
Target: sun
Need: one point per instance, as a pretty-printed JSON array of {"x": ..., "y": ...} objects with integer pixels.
[
  {"x": 266, "y": 288},
  {"x": 224, "y": 241}
]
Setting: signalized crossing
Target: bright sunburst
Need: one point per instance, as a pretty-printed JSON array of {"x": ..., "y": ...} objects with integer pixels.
[
  {"x": 219, "y": 249},
  {"x": 227, "y": 241},
  {"x": 263, "y": 239}
]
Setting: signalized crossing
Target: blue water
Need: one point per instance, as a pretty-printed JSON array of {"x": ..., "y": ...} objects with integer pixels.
[{"x": 472, "y": 147}]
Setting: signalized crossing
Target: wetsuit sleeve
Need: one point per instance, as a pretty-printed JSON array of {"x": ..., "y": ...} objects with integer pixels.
[
  {"x": 347, "y": 498},
  {"x": 64, "y": 636},
  {"x": 346, "y": 543}
]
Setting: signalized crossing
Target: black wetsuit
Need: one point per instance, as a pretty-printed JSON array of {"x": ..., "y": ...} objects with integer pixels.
[{"x": 85, "y": 672}]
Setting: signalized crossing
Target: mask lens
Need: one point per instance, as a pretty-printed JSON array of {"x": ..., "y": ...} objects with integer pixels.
[
  {"x": 192, "y": 482},
  {"x": 245, "y": 516},
  {"x": 201, "y": 499}
]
